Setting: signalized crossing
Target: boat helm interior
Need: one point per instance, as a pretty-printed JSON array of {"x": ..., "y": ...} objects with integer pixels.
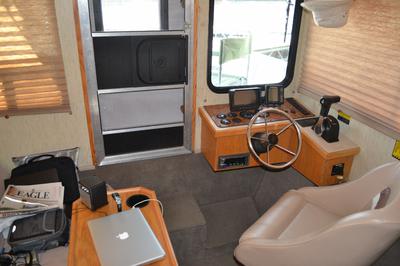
[{"x": 190, "y": 132}]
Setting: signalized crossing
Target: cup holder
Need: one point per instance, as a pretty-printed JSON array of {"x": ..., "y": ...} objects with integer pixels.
[{"x": 135, "y": 199}]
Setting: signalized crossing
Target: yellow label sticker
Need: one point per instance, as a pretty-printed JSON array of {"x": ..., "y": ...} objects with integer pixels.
[
  {"x": 396, "y": 150},
  {"x": 345, "y": 118}
]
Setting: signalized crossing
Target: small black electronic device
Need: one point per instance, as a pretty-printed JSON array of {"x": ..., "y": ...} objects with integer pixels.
[
  {"x": 118, "y": 200},
  {"x": 244, "y": 99},
  {"x": 274, "y": 96},
  {"x": 237, "y": 160},
  {"x": 93, "y": 192}
]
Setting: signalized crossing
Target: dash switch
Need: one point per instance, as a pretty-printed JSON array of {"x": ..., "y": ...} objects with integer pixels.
[{"x": 337, "y": 169}]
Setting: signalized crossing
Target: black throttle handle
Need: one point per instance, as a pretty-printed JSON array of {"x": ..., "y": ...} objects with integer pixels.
[{"x": 326, "y": 102}]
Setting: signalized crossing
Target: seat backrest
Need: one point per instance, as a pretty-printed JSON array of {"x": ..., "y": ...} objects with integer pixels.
[
  {"x": 384, "y": 186},
  {"x": 394, "y": 196},
  {"x": 354, "y": 196}
]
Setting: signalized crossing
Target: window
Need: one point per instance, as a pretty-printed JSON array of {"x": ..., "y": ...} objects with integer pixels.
[
  {"x": 131, "y": 15},
  {"x": 137, "y": 15},
  {"x": 32, "y": 76},
  {"x": 252, "y": 43},
  {"x": 359, "y": 62}
]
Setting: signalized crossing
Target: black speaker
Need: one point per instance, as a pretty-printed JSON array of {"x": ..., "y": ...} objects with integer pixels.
[{"x": 93, "y": 192}]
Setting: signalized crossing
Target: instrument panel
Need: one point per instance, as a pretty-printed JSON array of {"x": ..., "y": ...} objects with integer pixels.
[{"x": 224, "y": 118}]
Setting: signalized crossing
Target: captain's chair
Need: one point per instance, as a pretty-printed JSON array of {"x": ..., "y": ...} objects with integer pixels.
[{"x": 347, "y": 224}]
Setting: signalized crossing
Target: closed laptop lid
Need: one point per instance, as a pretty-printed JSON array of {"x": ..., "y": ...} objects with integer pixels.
[{"x": 125, "y": 238}]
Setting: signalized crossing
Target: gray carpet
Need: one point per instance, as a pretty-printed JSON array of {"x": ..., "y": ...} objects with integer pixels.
[
  {"x": 224, "y": 260},
  {"x": 226, "y": 221},
  {"x": 180, "y": 175},
  {"x": 230, "y": 201},
  {"x": 391, "y": 257},
  {"x": 218, "y": 256}
]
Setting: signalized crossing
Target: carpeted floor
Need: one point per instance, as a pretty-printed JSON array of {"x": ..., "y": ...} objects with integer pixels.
[
  {"x": 221, "y": 205},
  {"x": 227, "y": 220}
]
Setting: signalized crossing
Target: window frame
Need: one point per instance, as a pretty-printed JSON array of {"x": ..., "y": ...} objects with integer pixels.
[{"x": 298, "y": 10}]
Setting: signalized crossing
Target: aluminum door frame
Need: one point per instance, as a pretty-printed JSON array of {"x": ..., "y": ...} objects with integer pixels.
[{"x": 92, "y": 91}]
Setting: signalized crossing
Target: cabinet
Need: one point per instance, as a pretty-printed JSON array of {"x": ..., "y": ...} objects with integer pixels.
[
  {"x": 321, "y": 162},
  {"x": 139, "y": 71}
]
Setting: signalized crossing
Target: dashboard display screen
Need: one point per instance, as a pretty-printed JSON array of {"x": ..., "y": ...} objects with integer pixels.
[
  {"x": 274, "y": 96},
  {"x": 244, "y": 99}
]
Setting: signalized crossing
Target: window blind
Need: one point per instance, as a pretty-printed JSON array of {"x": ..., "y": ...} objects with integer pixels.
[
  {"x": 360, "y": 62},
  {"x": 32, "y": 76}
]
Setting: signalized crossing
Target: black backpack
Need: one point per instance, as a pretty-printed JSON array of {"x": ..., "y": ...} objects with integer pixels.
[
  {"x": 41, "y": 231},
  {"x": 52, "y": 169}
]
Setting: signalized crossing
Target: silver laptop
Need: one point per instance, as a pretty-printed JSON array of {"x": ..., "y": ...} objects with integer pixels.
[{"x": 125, "y": 239}]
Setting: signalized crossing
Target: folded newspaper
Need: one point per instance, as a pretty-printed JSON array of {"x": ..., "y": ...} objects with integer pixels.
[{"x": 22, "y": 200}]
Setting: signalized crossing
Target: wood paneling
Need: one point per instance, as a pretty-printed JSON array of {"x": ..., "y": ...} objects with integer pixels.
[
  {"x": 315, "y": 161},
  {"x": 216, "y": 142},
  {"x": 194, "y": 84},
  {"x": 81, "y": 248}
]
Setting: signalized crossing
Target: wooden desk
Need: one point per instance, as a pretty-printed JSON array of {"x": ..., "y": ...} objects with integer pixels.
[{"x": 81, "y": 248}]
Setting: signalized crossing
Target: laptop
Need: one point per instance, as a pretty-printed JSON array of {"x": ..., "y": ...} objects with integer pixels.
[{"x": 125, "y": 239}]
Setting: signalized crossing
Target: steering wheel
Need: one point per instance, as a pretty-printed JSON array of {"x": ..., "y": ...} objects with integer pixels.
[{"x": 262, "y": 142}]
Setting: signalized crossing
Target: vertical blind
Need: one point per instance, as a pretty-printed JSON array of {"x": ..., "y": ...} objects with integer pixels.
[
  {"x": 359, "y": 62},
  {"x": 32, "y": 76}
]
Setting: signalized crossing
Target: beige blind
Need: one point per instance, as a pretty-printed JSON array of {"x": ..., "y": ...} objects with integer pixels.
[
  {"x": 32, "y": 76},
  {"x": 360, "y": 62}
]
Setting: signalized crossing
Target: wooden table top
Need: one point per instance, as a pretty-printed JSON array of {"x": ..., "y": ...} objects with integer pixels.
[{"x": 81, "y": 248}]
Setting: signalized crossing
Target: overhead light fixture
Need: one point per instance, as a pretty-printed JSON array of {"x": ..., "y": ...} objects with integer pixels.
[{"x": 328, "y": 13}]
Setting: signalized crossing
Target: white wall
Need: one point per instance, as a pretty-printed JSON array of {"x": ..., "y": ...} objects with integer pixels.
[{"x": 20, "y": 135}]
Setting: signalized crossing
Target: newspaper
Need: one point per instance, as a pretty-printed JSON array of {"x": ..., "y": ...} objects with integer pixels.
[{"x": 22, "y": 200}]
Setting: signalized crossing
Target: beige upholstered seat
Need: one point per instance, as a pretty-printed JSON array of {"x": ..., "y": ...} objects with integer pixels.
[{"x": 336, "y": 225}]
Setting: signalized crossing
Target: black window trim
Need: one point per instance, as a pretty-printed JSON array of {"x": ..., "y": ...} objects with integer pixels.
[{"x": 291, "y": 57}]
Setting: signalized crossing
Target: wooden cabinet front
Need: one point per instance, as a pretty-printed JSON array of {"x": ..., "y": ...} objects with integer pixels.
[{"x": 315, "y": 162}]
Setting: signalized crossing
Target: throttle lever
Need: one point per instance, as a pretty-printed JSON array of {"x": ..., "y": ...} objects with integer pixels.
[{"x": 326, "y": 102}]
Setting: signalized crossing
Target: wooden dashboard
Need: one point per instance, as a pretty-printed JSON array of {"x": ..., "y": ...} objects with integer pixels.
[{"x": 321, "y": 162}]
